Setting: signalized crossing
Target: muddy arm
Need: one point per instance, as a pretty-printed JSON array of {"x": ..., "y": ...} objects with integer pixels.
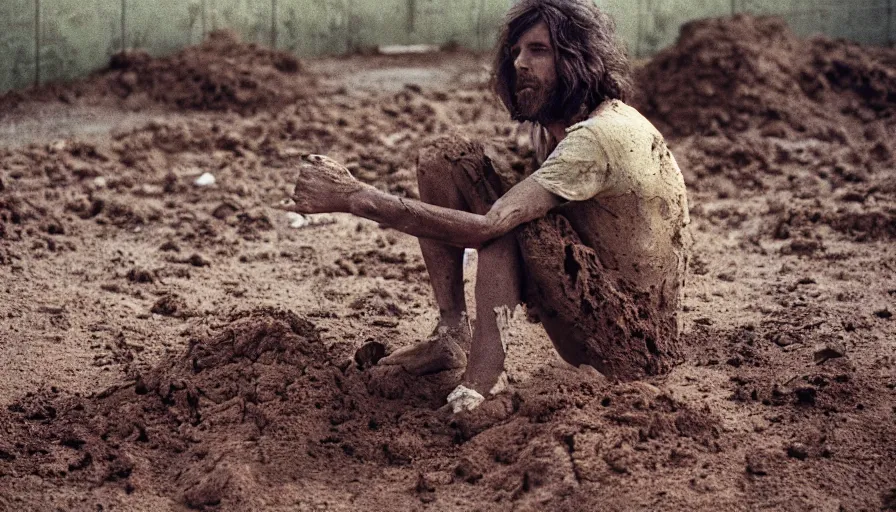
[
  {"x": 323, "y": 186},
  {"x": 523, "y": 203}
]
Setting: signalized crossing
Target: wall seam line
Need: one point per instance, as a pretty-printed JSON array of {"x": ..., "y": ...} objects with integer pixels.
[
  {"x": 203, "y": 8},
  {"x": 640, "y": 9},
  {"x": 37, "y": 43},
  {"x": 274, "y": 24},
  {"x": 889, "y": 23},
  {"x": 124, "y": 25}
]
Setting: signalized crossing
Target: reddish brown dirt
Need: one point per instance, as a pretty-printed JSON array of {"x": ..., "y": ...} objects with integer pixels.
[
  {"x": 168, "y": 346},
  {"x": 221, "y": 74}
]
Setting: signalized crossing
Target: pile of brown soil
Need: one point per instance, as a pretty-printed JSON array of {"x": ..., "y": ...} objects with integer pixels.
[
  {"x": 221, "y": 74},
  {"x": 261, "y": 403},
  {"x": 751, "y": 107},
  {"x": 732, "y": 74}
]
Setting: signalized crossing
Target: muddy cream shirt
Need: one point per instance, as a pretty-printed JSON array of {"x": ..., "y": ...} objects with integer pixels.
[{"x": 627, "y": 197}]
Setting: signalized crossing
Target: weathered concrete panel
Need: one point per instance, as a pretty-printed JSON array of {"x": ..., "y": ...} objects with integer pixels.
[
  {"x": 661, "y": 20},
  {"x": 626, "y": 15},
  {"x": 491, "y": 22},
  {"x": 77, "y": 37},
  {"x": 438, "y": 22},
  {"x": 251, "y": 19},
  {"x": 162, "y": 27},
  {"x": 376, "y": 23},
  {"x": 313, "y": 27},
  {"x": 891, "y": 22},
  {"x": 865, "y": 21},
  {"x": 17, "y": 43}
]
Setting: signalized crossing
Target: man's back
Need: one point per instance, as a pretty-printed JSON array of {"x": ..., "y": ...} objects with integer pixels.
[{"x": 627, "y": 199}]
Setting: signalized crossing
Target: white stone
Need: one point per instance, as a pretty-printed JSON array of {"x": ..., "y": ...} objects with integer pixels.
[
  {"x": 297, "y": 220},
  {"x": 464, "y": 399},
  {"x": 206, "y": 180}
]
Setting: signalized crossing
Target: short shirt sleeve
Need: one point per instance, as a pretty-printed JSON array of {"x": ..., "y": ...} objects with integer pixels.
[{"x": 578, "y": 169}]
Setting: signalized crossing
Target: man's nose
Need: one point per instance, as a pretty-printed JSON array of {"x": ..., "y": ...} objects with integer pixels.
[{"x": 521, "y": 62}]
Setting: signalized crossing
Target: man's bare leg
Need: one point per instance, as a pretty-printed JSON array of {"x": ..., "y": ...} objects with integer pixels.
[
  {"x": 443, "y": 262},
  {"x": 498, "y": 284},
  {"x": 455, "y": 173},
  {"x": 447, "y": 173}
]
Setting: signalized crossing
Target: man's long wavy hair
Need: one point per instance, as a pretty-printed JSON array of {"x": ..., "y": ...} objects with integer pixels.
[{"x": 592, "y": 66}]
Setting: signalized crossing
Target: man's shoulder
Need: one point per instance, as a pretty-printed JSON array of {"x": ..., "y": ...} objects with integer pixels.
[
  {"x": 615, "y": 125},
  {"x": 615, "y": 114}
]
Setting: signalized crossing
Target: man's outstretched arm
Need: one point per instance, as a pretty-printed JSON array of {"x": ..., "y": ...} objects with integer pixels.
[
  {"x": 325, "y": 186},
  {"x": 525, "y": 202}
]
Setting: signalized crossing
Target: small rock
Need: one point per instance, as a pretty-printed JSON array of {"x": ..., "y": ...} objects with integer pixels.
[
  {"x": 206, "y": 180},
  {"x": 100, "y": 182},
  {"x": 139, "y": 275},
  {"x": 369, "y": 354},
  {"x": 467, "y": 471},
  {"x": 198, "y": 261},
  {"x": 798, "y": 451},
  {"x": 424, "y": 486},
  {"x": 828, "y": 351},
  {"x": 884, "y": 313},
  {"x": 727, "y": 277},
  {"x": 806, "y": 395},
  {"x": 297, "y": 220},
  {"x": 169, "y": 246},
  {"x": 784, "y": 339},
  {"x": 169, "y": 305},
  {"x": 148, "y": 190},
  {"x": 620, "y": 459},
  {"x": 758, "y": 463},
  {"x": 225, "y": 210}
]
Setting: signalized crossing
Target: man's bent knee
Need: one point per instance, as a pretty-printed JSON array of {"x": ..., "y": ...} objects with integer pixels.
[{"x": 455, "y": 160}]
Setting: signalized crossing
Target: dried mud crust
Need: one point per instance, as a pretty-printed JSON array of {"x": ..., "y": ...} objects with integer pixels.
[
  {"x": 258, "y": 404},
  {"x": 615, "y": 329}
]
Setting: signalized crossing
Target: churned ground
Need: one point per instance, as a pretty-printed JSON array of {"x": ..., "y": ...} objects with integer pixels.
[{"x": 168, "y": 346}]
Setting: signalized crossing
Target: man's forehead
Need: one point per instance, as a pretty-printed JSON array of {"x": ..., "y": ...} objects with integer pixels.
[{"x": 538, "y": 33}]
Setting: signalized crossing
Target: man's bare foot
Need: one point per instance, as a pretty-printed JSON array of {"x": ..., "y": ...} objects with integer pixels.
[{"x": 441, "y": 352}]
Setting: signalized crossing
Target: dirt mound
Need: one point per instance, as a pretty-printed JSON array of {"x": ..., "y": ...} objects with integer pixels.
[
  {"x": 749, "y": 106},
  {"x": 259, "y": 404},
  {"x": 221, "y": 74},
  {"x": 731, "y": 74},
  {"x": 226, "y": 388}
]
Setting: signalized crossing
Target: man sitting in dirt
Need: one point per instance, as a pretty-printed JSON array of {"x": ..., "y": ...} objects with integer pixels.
[{"x": 592, "y": 241}]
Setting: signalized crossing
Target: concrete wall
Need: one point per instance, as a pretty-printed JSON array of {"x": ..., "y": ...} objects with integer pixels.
[{"x": 51, "y": 40}]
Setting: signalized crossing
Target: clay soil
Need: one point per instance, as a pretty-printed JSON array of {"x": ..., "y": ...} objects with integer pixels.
[{"x": 167, "y": 346}]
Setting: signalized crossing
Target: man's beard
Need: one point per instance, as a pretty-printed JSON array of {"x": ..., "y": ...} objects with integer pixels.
[{"x": 533, "y": 101}]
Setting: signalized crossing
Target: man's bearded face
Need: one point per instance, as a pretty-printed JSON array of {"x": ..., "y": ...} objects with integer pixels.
[
  {"x": 533, "y": 97},
  {"x": 536, "y": 75}
]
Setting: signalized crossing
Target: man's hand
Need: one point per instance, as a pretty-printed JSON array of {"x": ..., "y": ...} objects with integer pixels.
[{"x": 322, "y": 186}]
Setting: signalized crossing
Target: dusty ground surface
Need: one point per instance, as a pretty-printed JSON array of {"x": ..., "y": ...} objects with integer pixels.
[{"x": 168, "y": 346}]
